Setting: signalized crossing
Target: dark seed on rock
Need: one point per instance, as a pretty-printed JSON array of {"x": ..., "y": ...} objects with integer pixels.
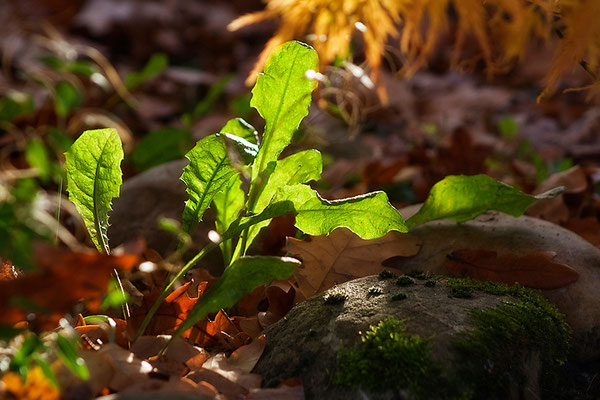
[
  {"x": 399, "y": 296},
  {"x": 385, "y": 274},
  {"x": 405, "y": 281},
  {"x": 375, "y": 291}
]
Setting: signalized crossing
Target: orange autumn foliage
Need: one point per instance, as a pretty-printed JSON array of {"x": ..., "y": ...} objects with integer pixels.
[{"x": 503, "y": 29}]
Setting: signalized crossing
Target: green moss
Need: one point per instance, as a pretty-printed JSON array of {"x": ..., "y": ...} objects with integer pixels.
[
  {"x": 488, "y": 361},
  {"x": 389, "y": 358},
  {"x": 490, "y": 358},
  {"x": 420, "y": 275}
]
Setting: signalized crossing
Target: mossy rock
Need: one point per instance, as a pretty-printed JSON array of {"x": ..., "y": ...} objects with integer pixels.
[
  {"x": 496, "y": 343},
  {"x": 504, "y": 234}
]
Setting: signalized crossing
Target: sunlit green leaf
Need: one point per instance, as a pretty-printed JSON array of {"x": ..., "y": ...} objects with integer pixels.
[
  {"x": 240, "y": 278},
  {"x": 301, "y": 167},
  {"x": 282, "y": 95},
  {"x": 94, "y": 179},
  {"x": 462, "y": 198},
  {"x": 207, "y": 174},
  {"x": 228, "y": 203},
  {"x": 370, "y": 216}
]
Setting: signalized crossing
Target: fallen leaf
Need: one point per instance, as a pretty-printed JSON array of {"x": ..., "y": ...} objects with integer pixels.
[
  {"x": 221, "y": 365},
  {"x": 588, "y": 228},
  {"x": 246, "y": 357},
  {"x": 291, "y": 389},
  {"x": 536, "y": 270},
  {"x": 99, "y": 334},
  {"x": 128, "y": 369},
  {"x": 342, "y": 256},
  {"x": 65, "y": 278},
  {"x": 281, "y": 297},
  {"x": 179, "y": 350},
  {"x": 556, "y": 210},
  {"x": 228, "y": 388},
  {"x": 220, "y": 333}
]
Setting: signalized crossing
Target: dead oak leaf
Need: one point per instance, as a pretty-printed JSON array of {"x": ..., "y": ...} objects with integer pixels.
[
  {"x": 535, "y": 270},
  {"x": 342, "y": 256}
]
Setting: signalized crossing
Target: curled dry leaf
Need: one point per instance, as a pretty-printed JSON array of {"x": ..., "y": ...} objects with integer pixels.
[
  {"x": 281, "y": 297},
  {"x": 98, "y": 333},
  {"x": 535, "y": 270},
  {"x": 342, "y": 256},
  {"x": 65, "y": 278}
]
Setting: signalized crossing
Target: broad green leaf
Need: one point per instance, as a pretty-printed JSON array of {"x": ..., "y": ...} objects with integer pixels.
[
  {"x": 462, "y": 198},
  {"x": 161, "y": 146},
  {"x": 228, "y": 204},
  {"x": 66, "y": 98},
  {"x": 301, "y": 167},
  {"x": 240, "y": 278},
  {"x": 67, "y": 351},
  {"x": 94, "y": 179},
  {"x": 370, "y": 216},
  {"x": 282, "y": 95},
  {"x": 207, "y": 174},
  {"x": 155, "y": 65}
]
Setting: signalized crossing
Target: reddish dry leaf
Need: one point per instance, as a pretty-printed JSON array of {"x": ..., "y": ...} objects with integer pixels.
[
  {"x": 291, "y": 389},
  {"x": 65, "y": 278},
  {"x": 281, "y": 297},
  {"x": 36, "y": 386},
  {"x": 7, "y": 272},
  {"x": 221, "y": 365},
  {"x": 229, "y": 389},
  {"x": 246, "y": 357},
  {"x": 342, "y": 256},
  {"x": 98, "y": 334},
  {"x": 171, "y": 313},
  {"x": 536, "y": 270},
  {"x": 249, "y": 325},
  {"x": 556, "y": 210},
  {"x": 221, "y": 333},
  {"x": 588, "y": 228}
]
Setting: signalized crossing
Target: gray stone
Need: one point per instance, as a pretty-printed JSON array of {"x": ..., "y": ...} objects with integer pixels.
[
  {"x": 493, "y": 231},
  {"x": 306, "y": 342}
]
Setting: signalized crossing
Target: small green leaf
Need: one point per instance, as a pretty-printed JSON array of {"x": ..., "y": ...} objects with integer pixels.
[
  {"x": 282, "y": 95},
  {"x": 67, "y": 351},
  {"x": 14, "y": 105},
  {"x": 37, "y": 156},
  {"x": 155, "y": 65},
  {"x": 207, "y": 174},
  {"x": 301, "y": 167},
  {"x": 161, "y": 146},
  {"x": 462, "y": 198},
  {"x": 94, "y": 179},
  {"x": 370, "y": 216},
  {"x": 228, "y": 204},
  {"x": 240, "y": 278},
  {"x": 67, "y": 97}
]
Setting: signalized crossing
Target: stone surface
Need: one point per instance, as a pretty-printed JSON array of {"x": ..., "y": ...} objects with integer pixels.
[
  {"x": 306, "y": 342},
  {"x": 498, "y": 232}
]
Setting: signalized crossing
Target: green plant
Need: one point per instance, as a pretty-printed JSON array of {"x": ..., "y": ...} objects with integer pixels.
[{"x": 277, "y": 187}]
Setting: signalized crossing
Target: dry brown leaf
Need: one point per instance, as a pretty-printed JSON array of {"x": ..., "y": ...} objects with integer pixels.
[
  {"x": 221, "y": 365},
  {"x": 342, "y": 256},
  {"x": 536, "y": 270},
  {"x": 179, "y": 350},
  {"x": 556, "y": 210},
  {"x": 291, "y": 389},
  {"x": 588, "y": 228},
  {"x": 229, "y": 389},
  {"x": 281, "y": 297},
  {"x": 128, "y": 369},
  {"x": 36, "y": 386},
  {"x": 246, "y": 357}
]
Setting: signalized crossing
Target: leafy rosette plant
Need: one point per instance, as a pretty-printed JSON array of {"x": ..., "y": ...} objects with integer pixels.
[{"x": 278, "y": 186}]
